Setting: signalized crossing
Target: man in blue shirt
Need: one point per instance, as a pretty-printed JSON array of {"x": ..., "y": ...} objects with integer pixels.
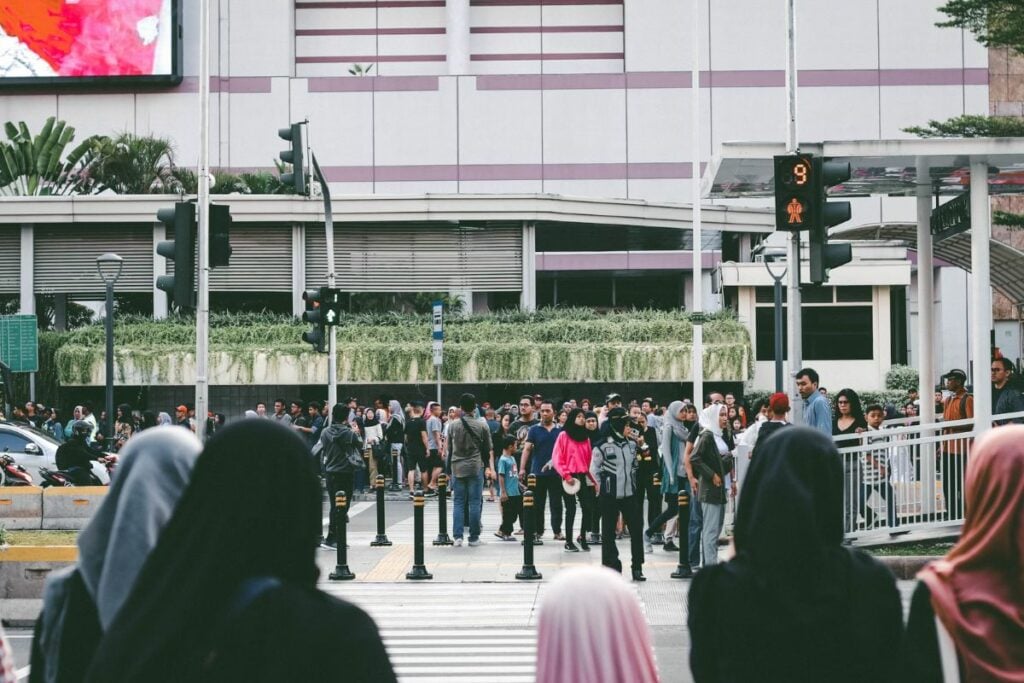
[
  {"x": 540, "y": 444},
  {"x": 817, "y": 413}
]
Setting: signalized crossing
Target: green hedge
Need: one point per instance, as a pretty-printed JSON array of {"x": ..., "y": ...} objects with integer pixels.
[{"x": 549, "y": 345}]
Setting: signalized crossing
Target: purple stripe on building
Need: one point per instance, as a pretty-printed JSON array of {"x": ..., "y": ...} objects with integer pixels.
[
  {"x": 651, "y": 80},
  {"x": 373, "y": 84},
  {"x": 657, "y": 170},
  {"x": 742, "y": 79},
  {"x": 469, "y": 172},
  {"x": 353, "y": 59},
  {"x": 810, "y": 78},
  {"x": 615, "y": 28},
  {"x": 370, "y": 31},
  {"x": 369, "y": 4},
  {"x": 536, "y": 3},
  {"x": 501, "y": 172},
  {"x": 258, "y": 84},
  {"x": 934, "y": 76},
  {"x": 545, "y": 56},
  {"x": 384, "y": 174}
]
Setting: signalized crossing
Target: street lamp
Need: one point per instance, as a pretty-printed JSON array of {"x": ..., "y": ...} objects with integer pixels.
[
  {"x": 109, "y": 266},
  {"x": 768, "y": 255}
]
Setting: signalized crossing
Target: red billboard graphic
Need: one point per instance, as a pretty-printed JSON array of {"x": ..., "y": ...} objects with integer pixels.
[{"x": 85, "y": 39}]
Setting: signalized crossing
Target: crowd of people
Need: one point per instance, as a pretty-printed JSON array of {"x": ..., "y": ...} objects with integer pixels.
[{"x": 181, "y": 577}]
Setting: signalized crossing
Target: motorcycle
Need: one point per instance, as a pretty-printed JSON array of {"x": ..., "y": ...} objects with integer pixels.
[
  {"x": 11, "y": 473},
  {"x": 65, "y": 478}
]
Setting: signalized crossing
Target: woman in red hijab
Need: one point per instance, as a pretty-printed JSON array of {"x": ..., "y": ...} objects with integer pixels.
[{"x": 967, "y": 615}]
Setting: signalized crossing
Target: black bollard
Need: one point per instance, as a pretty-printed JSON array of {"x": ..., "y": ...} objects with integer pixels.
[
  {"x": 658, "y": 538},
  {"x": 531, "y": 485},
  {"x": 683, "y": 570},
  {"x": 382, "y": 538},
  {"x": 528, "y": 572},
  {"x": 341, "y": 571},
  {"x": 419, "y": 571},
  {"x": 442, "y": 512}
]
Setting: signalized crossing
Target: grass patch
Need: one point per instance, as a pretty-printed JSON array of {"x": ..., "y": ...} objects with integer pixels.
[
  {"x": 38, "y": 537},
  {"x": 938, "y": 549}
]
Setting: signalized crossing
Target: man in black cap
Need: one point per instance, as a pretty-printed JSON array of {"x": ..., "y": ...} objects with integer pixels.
[
  {"x": 614, "y": 465},
  {"x": 959, "y": 405}
]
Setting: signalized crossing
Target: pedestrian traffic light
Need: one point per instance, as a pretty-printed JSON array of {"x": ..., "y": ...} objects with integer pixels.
[
  {"x": 294, "y": 156},
  {"x": 795, "y": 192},
  {"x": 180, "y": 287},
  {"x": 824, "y": 256},
  {"x": 220, "y": 235},
  {"x": 316, "y": 336}
]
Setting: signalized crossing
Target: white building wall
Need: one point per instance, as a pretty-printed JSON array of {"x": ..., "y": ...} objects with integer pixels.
[{"x": 585, "y": 99}]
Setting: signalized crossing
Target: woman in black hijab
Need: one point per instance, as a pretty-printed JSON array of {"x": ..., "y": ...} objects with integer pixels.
[
  {"x": 229, "y": 592},
  {"x": 802, "y": 606}
]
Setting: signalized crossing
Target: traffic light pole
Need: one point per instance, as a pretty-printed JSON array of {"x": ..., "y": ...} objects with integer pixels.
[
  {"x": 794, "y": 327},
  {"x": 203, "y": 294},
  {"x": 332, "y": 345}
]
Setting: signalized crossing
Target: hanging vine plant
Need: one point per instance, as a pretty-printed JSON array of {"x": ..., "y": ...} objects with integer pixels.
[{"x": 549, "y": 345}]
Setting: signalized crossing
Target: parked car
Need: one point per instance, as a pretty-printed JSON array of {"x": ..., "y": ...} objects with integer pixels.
[{"x": 33, "y": 449}]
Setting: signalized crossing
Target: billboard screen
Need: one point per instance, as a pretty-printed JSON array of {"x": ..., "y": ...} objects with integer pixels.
[{"x": 82, "y": 42}]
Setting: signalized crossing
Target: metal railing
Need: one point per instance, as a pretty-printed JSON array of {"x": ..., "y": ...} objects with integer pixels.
[{"x": 899, "y": 479}]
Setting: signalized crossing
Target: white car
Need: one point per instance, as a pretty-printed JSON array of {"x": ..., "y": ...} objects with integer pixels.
[{"x": 33, "y": 449}]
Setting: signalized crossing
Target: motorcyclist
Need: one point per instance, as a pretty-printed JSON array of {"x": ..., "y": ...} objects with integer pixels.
[{"x": 75, "y": 456}]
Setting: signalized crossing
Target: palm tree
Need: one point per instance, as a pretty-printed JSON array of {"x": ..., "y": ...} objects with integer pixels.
[
  {"x": 33, "y": 166},
  {"x": 136, "y": 164}
]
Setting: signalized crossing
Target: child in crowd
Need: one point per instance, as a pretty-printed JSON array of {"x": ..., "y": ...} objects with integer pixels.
[{"x": 508, "y": 487}]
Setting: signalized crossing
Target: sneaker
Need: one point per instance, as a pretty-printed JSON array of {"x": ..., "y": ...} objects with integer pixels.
[
  {"x": 329, "y": 544},
  {"x": 518, "y": 532},
  {"x": 500, "y": 535},
  {"x": 559, "y": 536},
  {"x": 432, "y": 493},
  {"x": 648, "y": 546},
  {"x": 510, "y": 537},
  {"x": 474, "y": 542},
  {"x": 595, "y": 539},
  {"x": 670, "y": 546},
  {"x": 457, "y": 543},
  {"x": 570, "y": 547}
]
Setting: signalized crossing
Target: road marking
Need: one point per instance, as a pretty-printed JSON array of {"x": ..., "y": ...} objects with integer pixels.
[
  {"x": 440, "y": 655},
  {"x": 391, "y": 567},
  {"x": 356, "y": 509},
  {"x": 22, "y": 672}
]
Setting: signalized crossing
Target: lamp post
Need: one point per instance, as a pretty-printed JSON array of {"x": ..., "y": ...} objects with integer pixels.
[
  {"x": 109, "y": 266},
  {"x": 778, "y": 323}
]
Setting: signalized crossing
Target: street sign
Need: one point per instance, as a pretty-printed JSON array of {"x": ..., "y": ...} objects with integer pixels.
[
  {"x": 438, "y": 334},
  {"x": 19, "y": 342},
  {"x": 951, "y": 218}
]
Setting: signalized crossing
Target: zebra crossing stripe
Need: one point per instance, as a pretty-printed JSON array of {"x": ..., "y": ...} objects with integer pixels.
[{"x": 499, "y": 655}]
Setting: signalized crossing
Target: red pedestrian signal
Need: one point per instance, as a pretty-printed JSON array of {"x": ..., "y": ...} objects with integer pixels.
[{"x": 795, "y": 176}]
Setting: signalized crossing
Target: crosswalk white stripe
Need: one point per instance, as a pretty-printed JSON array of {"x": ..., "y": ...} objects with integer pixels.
[
  {"x": 493, "y": 678},
  {"x": 456, "y": 633},
  {"x": 452, "y": 670},
  {"x": 462, "y": 659},
  {"x": 504, "y": 648}
]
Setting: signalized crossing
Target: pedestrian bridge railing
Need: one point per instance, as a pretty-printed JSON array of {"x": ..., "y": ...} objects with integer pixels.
[{"x": 908, "y": 478}]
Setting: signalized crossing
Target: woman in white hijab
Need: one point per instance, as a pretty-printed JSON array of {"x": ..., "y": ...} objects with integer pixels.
[
  {"x": 81, "y": 602},
  {"x": 712, "y": 461}
]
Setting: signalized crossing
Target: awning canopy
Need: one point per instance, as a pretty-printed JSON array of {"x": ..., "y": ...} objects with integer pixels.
[
  {"x": 879, "y": 167},
  {"x": 1007, "y": 271}
]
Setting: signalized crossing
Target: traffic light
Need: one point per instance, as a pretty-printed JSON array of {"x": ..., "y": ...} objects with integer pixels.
[
  {"x": 220, "y": 235},
  {"x": 314, "y": 315},
  {"x": 180, "y": 287},
  {"x": 795, "y": 194},
  {"x": 824, "y": 256},
  {"x": 294, "y": 156}
]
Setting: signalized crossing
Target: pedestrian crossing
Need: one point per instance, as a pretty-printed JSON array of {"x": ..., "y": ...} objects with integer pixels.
[
  {"x": 402, "y": 531},
  {"x": 447, "y": 632}
]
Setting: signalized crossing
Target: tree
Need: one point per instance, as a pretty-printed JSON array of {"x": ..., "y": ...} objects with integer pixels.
[
  {"x": 135, "y": 164},
  {"x": 971, "y": 126},
  {"x": 33, "y": 166},
  {"x": 995, "y": 23}
]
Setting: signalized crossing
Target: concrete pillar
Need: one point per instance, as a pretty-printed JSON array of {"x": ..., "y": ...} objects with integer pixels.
[
  {"x": 528, "y": 295},
  {"x": 981, "y": 300},
  {"x": 159, "y": 268},
  {"x": 298, "y": 268},
  {"x": 457, "y": 33},
  {"x": 925, "y": 327},
  {"x": 27, "y": 282}
]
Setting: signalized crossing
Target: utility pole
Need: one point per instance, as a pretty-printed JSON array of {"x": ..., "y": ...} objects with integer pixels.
[
  {"x": 332, "y": 339},
  {"x": 203, "y": 303},
  {"x": 794, "y": 327}
]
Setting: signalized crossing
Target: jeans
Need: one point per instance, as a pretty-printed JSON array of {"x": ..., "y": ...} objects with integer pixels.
[
  {"x": 714, "y": 517},
  {"x": 696, "y": 526},
  {"x": 548, "y": 488},
  {"x": 630, "y": 509},
  {"x": 586, "y": 496},
  {"x": 472, "y": 488}
]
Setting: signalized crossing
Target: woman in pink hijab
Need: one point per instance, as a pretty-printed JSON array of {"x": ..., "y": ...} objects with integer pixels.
[
  {"x": 592, "y": 631},
  {"x": 967, "y": 615}
]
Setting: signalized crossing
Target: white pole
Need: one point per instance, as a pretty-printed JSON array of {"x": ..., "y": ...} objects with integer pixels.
[
  {"x": 457, "y": 30},
  {"x": 925, "y": 313},
  {"x": 203, "y": 303},
  {"x": 698, "y": 274},
  {"x": 795, "y": 346},
  {"x": 981, "y": 301},
  {"x": 332, "y": 343}
]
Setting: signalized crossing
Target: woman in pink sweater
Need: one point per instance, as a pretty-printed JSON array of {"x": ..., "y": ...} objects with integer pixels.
[{"x": 571, "y": 459}]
